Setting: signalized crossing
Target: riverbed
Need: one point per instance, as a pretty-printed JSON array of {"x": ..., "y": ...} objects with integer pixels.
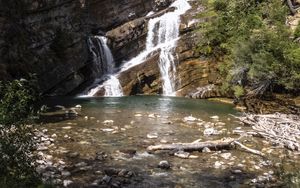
[{"x": 101, "y": 142}]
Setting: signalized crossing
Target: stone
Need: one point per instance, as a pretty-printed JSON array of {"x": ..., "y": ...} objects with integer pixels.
[
  {"x": 42, "y": 148},
  {"x": 81, "y": 164},
  {"x": 65, "y": 173},
  {"x": 107, "y": 130},
  {"x": 182, "y": 154},
  {"x": 225, "y": 156},
  {"x": 206, "y": 150},
  {"x": 66, "y": 183},
  {"x": 53, "y": 136},
  {"x": 218, "y": 164},
  {"x": 73, "y": 155},
  {"x": 214, "y": 117},
  {"x": 164, "y": 165},
  {"x": 152, "y": 135},
  {"x": 106, "y": 179},
  {"x": 209, "y": 131},
  {"x": 189, "y": 119},
  {"x": 108, "y": 122}
]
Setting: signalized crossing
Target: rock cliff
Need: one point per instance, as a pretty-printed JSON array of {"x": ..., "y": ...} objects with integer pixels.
[{"x": 49, "y": 37}]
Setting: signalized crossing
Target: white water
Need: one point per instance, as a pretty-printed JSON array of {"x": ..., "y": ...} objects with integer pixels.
[
  {"x": 163, "y": 33},
  {"x": 104, "y": 60},
  {"x": 111, "y": 86}
]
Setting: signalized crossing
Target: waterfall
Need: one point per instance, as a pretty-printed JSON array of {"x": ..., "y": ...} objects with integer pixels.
[
  {"x": 163, "y": 33},
  {"x": 102, "y": 55},
  {"x": 104, "y": 60},
  {"x": 162, "y": 36}
]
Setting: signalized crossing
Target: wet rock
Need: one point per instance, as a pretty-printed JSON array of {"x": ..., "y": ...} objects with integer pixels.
[
  {"x": 66, "y": 183},
  {"x": 67, "y": 128},
  {"x": 218, "y": 164},
  {"x": 193, "y": 157},
  {"x": 151, "y": 116},
  {"x": 209, "y": 131},
  {"x": 81, "y": 164},
  {"x": 189, "y": 119},
  {"x": 182, "y": 154},
  {"x": 214, "y": 117},
  {"x": 53, "y": 136},
  {"x": 65, "y": 173},
  {"x": 164, "y": 165},
  {"x": 152, "y": 135},
  {"x": 42, "y": 148},
  {"x": 73, "y": 155},
  {"x": 236, "y": 171},
  {"x": 130, "y": 152},
  {"x": 225, "y": 155},
  {"x": 107, "y": 130},
  {"x": 78, "y": 106},
  {"x": 108, "y": 122},
  {"x": 100, "y": 156}
]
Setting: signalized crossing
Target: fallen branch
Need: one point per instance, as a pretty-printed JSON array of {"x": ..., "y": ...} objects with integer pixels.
[
  {"x": 194, "y": 146},
  {"x": 253, "y": 151},
  {"x": 281, "y": 129}
]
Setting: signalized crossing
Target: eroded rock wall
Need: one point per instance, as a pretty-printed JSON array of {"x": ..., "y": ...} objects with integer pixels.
[{"x": 49, "y": 37}]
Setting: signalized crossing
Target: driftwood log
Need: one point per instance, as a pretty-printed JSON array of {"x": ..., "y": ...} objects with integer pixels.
[
  {"x": 194, "y": 146},
  {"x": 199, "y": 146}
]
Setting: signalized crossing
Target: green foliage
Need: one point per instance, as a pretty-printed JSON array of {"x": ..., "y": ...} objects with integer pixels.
[
  {"x": 297, "y": 31},
  {"x": 17, "y": 99},
  {"x": 238, "y": 91},
  {"x": 255, "y": 42}
]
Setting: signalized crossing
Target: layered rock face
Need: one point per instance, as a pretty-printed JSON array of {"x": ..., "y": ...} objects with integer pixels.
[
  {"x": 195, "y": 77},
  {"x": 50, "y": 37}
]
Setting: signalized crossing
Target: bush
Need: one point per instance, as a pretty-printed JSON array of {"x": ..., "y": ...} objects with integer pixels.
[{"x": 17, "y": 99}]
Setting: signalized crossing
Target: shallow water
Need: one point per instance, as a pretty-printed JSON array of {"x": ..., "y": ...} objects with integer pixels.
[{"x": 112, "y": 125}]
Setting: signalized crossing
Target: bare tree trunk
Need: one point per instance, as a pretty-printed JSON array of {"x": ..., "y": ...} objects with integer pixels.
[{"x": 291, "y": 6}]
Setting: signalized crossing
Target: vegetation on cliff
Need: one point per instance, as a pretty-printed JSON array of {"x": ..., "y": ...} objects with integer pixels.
[
  {"x": 17, "y": 99},
  {"x": 259, "y": 51}
]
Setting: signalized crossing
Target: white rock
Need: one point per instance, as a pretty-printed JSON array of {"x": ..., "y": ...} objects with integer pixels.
[
  {"x": 182, "y": 154},
  {"x": 67, "y": 128},
  {"x": 151, "y": 116},
  {"x": 108, "y": 122},
  {"x": 107, "y": 130},
  {"x": 214, "y": 117},
  {"x": 152, "y": 135},
  {"x": 65, "y": 173},
  {"x": 189, "y": 118},
  {"x": 226, "y": 155},
  {"x": 78, "y": 106},
  {"x": 54, "y": 136},
  {"x": 67, "y": 182},
  {"x": 209, "y": 131},
  {"x": 218, "y": 164},
  {"x": 138, "y": 115}
]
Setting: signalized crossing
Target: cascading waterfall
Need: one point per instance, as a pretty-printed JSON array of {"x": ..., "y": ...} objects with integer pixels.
[
  {"x": 104, "y": 59},
  {"x": 162, "y": 36},
  {"x": 163, "y": 33}
]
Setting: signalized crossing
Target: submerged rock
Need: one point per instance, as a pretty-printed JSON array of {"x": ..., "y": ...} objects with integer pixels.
[
  {"x": 182, "y": 154},
  {"x": 189, "y": 119},
  {"x": 164, "y": 165},
  {"x": 152, "y": 135}
]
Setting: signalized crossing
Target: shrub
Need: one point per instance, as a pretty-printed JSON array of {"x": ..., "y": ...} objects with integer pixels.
[{"x": 17, "y": 99}]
